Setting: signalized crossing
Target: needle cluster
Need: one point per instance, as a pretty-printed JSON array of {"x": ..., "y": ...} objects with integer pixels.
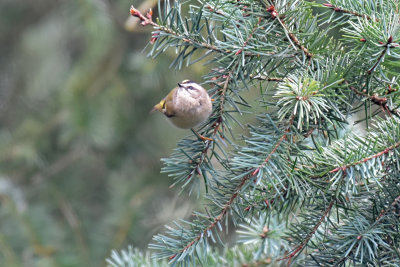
[{"x": 315, "y": 182}]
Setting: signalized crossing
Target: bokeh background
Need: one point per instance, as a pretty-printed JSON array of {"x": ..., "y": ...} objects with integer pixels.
[{"x": 79, "y": 151}]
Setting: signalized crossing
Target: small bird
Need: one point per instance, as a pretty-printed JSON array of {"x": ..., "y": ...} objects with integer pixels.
[{"x": 186, "y": 106}]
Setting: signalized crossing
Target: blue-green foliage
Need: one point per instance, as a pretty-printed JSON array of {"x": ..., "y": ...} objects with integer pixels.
[{"x": 305, "y": 185}]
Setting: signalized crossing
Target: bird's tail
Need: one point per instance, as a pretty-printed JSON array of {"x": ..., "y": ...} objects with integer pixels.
[{"x": 159, "y": 106}]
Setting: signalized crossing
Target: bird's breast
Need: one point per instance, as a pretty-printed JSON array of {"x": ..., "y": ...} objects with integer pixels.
[{"x": 191, "y": 111}]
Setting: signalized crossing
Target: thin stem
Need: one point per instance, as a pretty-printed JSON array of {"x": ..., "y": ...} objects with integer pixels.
[
  {"x": 377, "y": 220},
  {"x": 275, "y": 15},
  {"x": 344, "y": 167},
  {"x": 380, "y": 58},
  {"x": 378, "y": 100},
  {"x": 310, "y": 234},
  {"x": 222, "y": 213},
  {"x": 341, "y": 10},
  {"x": 309, "y": 133},
  {"x": 147, "y": 20},
  {"x": 265, "y": 78},
  {"x": 385, "y": 151},
  {"x": 229, "y": 203},
  {"x": 255, "y": 27},
  {"x": 384, "y": 212}
]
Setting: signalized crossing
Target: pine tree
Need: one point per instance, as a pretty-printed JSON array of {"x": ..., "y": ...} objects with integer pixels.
[{"x": 304, "y": 187}]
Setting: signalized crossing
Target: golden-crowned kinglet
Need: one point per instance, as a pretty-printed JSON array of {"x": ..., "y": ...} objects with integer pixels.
[{"x": 186, "y": 105}]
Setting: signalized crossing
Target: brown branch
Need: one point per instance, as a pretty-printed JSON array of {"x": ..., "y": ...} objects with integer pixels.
[
  {"x": 384, "y": 212},
  {"x": 309, "y": 133},
  {"x": 344, "y": 167},
  {"x": 265, "y": 78},
  {"x": 341, "y": 10},
  {"x": 385, "y": 151},
  {"x": 147, "y": 20},
  {"x": 255, "y": 27},
  {"x": 275, "y": 148},
  {"x": 310, "y": 234},
  {"x": 220, "y": 216},
  {"x": 380, "y": 58},
  {"x": 378, "y": 100},
  {"x": 377, "y": 220},
  {"x": 223, "y": 93},
  {"x": 274, "y": 14},
  {"x": 228, "y": 205},
  {"x": 298, "y": 44},
  {"x": 265, "y": 201},
  {"x": 217, "y": 11}
]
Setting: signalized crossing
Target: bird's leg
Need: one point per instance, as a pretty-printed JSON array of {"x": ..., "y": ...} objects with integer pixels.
[{"x": 200, "y": 136}]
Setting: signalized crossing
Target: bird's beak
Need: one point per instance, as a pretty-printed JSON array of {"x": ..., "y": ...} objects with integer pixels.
[{"x": 180, "y": 85}]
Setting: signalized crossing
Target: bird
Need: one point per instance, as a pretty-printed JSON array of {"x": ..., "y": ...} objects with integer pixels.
[{"x": 186, "y": 106}]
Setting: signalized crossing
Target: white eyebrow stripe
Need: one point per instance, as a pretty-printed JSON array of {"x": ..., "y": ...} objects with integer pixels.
[{"x": 195, "y": 85}]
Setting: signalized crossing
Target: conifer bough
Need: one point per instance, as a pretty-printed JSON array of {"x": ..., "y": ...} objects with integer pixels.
[{"x": 314, "y": 178}]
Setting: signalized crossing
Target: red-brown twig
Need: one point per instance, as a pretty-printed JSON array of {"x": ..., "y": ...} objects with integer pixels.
[
  {"x": 147, "y": 20},
  {"x": 274, "y": 14},
  {"x": 219, "y": 217},
  {"x": 380, "y": 58},
  {"x": 385, "y": 151},
  {"x": 309, "y": 133},
  {"x": 266, "y": 78},
  {"x": 378, "y": 100},
  {"x": 377, "y": 220},
  {"x": 229, "y": 203},
  {"x": 270, "y": 155},
  {"x": 310, "y": 234},
  {"x": 341, "y": 10},
  {"x": 250, "y": 36},
  {"x": 384, "y": 212}
]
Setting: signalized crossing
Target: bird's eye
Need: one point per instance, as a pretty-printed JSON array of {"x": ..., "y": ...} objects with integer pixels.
[{"x": 190, "y": 87}]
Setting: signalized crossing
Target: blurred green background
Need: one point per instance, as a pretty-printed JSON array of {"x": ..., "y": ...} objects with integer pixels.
[{"x": 79, "y": 151}]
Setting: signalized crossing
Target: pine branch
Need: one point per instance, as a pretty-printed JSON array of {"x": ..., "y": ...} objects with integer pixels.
[
  {"x": 382, "y": 55},
  {"x": 265, "y": 78},
  {"x": 222, "y": 94},
  {"x": 301, "y": 135},
  {"x": 384, "y": 212},
  {"x": 307, "y": 239},
  {"x": 236, "y": 193},
  {"x": 275, "y": 15},
  {"x": 218, "y": 218},
  {"x": 341, "y": 10},
  {"x": 360, "y": 237},
  {"x": 207, "y": 223},
  {"x": 283, "y": 137},
  {"x": 257, "y": 25},
  {"x": 377, "y": 155},
  {"x": 364, "y": 150},
  {"x": 147, "y": 20},
  {"x": 378, "y": 100}
]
